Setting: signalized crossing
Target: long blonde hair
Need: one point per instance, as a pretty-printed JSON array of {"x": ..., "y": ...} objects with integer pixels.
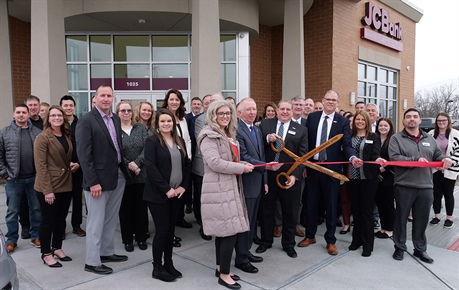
[{"x": 230, "y": 130}]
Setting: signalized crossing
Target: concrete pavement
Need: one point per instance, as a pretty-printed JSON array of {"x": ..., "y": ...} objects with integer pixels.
[{"x": 313, "y": 269}]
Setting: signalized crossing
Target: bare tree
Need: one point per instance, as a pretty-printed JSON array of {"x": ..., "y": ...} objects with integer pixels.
[{"x": 444, "y": 98}]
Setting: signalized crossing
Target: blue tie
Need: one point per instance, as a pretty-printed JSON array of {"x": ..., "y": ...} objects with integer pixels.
[
  {"x": 280, "y": 132},
  {"x": 254, "y": 135}
]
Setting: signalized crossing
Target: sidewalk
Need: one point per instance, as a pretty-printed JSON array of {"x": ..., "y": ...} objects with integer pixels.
[{"x": 313, "y": 269}]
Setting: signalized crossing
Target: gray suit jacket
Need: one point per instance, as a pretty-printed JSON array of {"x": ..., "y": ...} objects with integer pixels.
[
  {"x": 97, "y": 153},
  {"x": 198, "y": 164},
  {"x": 253, "y": 182}
]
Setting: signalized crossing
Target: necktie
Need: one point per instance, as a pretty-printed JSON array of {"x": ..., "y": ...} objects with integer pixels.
[
  {"x": 280, "y": 132},
  {"x": 323, "y": 138},
  {"x": 254, "y": 135}
]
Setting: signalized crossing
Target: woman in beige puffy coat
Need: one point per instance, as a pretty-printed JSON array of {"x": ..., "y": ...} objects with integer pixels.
[{"x": 223, "y": 210}]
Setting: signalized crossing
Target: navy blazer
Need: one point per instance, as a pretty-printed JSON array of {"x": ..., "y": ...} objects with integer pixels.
[
  {"x": 336, "y": 151},
  {"x": 159, "y": 167},
  {"x": 249, "y": 151},
  {"x": 97, "y": 153},
  {"x": 296, "y": 141}
]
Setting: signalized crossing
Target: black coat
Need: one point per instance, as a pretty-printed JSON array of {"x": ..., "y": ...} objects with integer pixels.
[{"x": 159, "y": 167}]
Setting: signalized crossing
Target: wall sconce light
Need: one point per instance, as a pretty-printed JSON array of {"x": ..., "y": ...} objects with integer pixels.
[
  {"x": 352, "y": 98},
  {"x": 405, "y": 104}
]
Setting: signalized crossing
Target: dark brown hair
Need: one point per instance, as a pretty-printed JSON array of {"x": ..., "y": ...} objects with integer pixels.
[
  {"x": 174, "y": 134},
  {"x": 181, "y": 110}
]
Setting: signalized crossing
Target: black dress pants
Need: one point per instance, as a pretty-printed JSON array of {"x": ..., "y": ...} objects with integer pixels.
[
  {"x": 53, "y": 217},
  {"x": 133, "y": 214},
  {"x": 290, "y": 201},
  {"x": 165, "y": 217},
  {"x": 362, "y": 194}
]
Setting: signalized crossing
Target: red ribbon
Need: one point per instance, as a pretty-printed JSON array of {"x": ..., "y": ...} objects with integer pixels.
[{"x": 432, "y": 164}]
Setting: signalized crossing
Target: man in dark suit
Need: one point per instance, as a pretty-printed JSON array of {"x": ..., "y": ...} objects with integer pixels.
[
  {"x": 295, "y": 137},
  {"x": 190, "y": 118},
  {"x": 323, "y": 125},
  {"x": 99, "y": 150},
  {"x": 254, "y": 184}
]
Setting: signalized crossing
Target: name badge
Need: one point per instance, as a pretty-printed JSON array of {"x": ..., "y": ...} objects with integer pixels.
[
  {"x": 291, "y": 132},
  {"x": 368, "y": 141},
  {"x": 425, "y": 144}
]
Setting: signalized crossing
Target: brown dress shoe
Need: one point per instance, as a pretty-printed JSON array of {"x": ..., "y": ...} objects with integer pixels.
[
  {"x": 306, "y": 242},
  {"x": 11, "y": 246},
  {"x": 298, "y": 232},
  {"x": 277, "y": 232},
  {"x": 332, "y": 250},
  {"x": 79, "y": 232}
]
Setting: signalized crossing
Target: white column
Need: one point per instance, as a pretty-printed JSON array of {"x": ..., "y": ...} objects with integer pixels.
[
  {"x": 48, "y": 58},
  {"x": 6, "y": 77},
  {"x": 293, "y": 53},
  {"x": 205, "y": 58}
]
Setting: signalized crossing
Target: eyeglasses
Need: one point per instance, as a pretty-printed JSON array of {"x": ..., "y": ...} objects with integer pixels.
[
  {"x": 331, "y": 100},
  {"x": 56, "y": 116},
  {"x": 442, "y": 121},
  {"x": 124, "y": 111},
  {"x": 221, "y": 114}
]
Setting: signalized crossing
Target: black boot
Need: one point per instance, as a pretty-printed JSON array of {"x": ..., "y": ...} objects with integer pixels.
[
  {"x": 169, "y": 267},
  {"x": 160, "y": 273}
]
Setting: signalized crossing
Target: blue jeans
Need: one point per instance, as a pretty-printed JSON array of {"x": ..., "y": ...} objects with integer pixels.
[{"x": 14, "y": 190}]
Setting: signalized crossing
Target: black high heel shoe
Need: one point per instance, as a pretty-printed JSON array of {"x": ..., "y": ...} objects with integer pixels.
[
  {"x": 343, "y": 232},
  {"x": 55, "y": 265},
  {"x": 63, "y": 259}
]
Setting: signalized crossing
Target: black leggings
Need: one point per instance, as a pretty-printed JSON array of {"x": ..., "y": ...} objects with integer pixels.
[
  {"x": 164, "y": 217},
  {"x": 224, "y": 247},
  {"x": 443, "y": 187}
]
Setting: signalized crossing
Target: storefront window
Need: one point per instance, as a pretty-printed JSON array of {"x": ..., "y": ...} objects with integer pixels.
[
  {"x": 132, "y": 77},
  {"x": 170, "y": 48},
  {"x": 82, "y": 105},
  {"x": 378, "y": 85},
  {"x": 77, "y": 48},
  {"x": 228, "y": 48},
  {"x": 146, "y": 63},
  {"x": 132, "y": 48},
  {"x": 100, "y": 74},
  {"x": 77, "y": 75},
  {"x": 166, "y": 76},
  {"x": 100, "y": 48},
  {"x": 228, "y": 77}
]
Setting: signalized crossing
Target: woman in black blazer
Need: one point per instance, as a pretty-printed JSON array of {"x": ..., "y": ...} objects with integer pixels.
[
  {"x": 363, "y": 182},
  {"x": 166, "y": 161}
]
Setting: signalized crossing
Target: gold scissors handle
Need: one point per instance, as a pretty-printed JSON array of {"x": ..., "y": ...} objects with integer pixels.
[{"x": 305, "y": 157}]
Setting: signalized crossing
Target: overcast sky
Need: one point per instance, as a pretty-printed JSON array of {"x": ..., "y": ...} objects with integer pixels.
[{"x": 437, "y": 44}]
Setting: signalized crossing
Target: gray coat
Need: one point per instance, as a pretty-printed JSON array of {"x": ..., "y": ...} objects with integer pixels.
[
  {"x": 9, "y": 149},
  {"x": 223, "y": 208},
  {"x": 403, "y": 148}
]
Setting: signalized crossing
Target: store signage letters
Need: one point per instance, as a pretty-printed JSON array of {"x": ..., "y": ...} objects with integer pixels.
[{"x": 378, "y": 19}]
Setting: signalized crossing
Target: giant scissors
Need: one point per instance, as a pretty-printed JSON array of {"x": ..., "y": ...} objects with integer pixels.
[{"x": 304, "y": 160}]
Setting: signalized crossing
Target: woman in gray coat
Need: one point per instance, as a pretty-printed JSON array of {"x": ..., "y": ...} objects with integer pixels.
[{"x": 223, "y": 210}]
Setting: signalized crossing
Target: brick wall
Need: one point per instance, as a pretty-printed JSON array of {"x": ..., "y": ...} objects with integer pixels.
[
  {"x": 260, "y": 68},
  {"x": 20, "y": 58},
  {"x": 318, "y": 40}
]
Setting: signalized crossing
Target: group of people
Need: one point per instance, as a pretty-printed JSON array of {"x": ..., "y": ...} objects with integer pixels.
[{"x": 224, "y": 166}]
